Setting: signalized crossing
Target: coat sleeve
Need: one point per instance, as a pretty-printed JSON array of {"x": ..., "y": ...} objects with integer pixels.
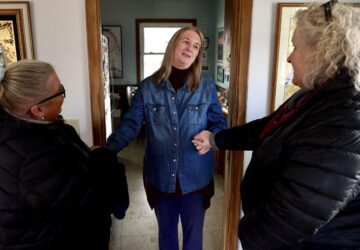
[
  {"x": 243, "y": 137},
  {"x": 320, "y": 171},
  {"x": 113, "y": 188},
  {"x": 130, "y": 125},
  {"x": 52, "y": 178}
]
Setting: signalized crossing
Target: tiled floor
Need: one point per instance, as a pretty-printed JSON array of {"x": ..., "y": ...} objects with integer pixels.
[{"x": 138, "y": 230}]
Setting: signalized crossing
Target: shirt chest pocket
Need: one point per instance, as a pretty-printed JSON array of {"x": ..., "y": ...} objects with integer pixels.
[
  {"x": 196, "y": 113},
  {"x": 155, "y": 113}
]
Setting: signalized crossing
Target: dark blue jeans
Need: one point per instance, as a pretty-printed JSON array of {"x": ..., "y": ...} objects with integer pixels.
[{"x": 190, "y": 208}]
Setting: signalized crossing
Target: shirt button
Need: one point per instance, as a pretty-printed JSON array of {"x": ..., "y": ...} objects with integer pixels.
[
  {"x": 155, "y": 109},
  {"x": 174, "y": 160},
  {"x": 175, "y": 144},
  {"x": 173, "y": 98},
  {"x": 174, "y": 113},
  {"x": 172, "y": 174},
  {"x": 174, "y": 128}
]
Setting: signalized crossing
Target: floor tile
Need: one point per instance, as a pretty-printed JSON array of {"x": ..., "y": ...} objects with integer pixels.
[{"x": 138, "y": 230}]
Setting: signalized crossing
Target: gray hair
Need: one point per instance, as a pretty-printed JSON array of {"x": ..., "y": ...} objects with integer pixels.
[
  {"x": 24, "y": 84},
  {"x": 335, "y": 42}
]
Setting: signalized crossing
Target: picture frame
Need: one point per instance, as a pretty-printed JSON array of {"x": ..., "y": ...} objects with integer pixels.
[
  {"x": 282, "y": 87},
  {"x": 220, "y": 74},
  {"x": 114, "y": 36},
  {"x": 220, "y": 45},
  {"x": 15, "y": 31},
  {"x": 204, "y": 61},
  {"x": 205, "y": 43}
]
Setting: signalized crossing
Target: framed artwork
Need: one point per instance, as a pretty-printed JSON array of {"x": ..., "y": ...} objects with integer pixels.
[
  {"x": 204, "y": 63},
  {"x": 220, "y": 45},
  {"x": 113, "y": 34},
  {"x": 220, "y": 73},
  {"x": 15, "y": 31},
  {"x": 282, "y": 87},
  {"x": 206, "y": 43}
]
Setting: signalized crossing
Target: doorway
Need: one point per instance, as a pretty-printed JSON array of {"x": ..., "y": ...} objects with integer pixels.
[{"x": 238, "y": 15}]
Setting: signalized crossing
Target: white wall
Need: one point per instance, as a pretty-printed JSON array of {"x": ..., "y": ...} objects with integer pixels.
[
  {"x": 261, "y": 59},
  {"x": 59, "y": 37}
]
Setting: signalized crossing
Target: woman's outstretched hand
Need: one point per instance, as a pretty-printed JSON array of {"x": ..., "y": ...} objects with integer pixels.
[{"x": 201, "y": 142}]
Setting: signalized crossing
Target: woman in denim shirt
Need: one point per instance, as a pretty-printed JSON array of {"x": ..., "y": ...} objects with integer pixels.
[{"x": 175, "y": 103}]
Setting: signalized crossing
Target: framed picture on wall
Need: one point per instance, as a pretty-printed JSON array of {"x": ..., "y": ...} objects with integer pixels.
[
  {"x": 282, "y": 87},
  {"x": 15, "y": 31},
  {"x": 220, "y": 73},
  {"x": 220, "y": 45},
  {"x": 113, "y": 34},
  {"x": 206, "y": 43}
]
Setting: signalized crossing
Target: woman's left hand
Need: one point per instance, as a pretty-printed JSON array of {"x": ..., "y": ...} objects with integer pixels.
[{"x": 201, "y": 142}]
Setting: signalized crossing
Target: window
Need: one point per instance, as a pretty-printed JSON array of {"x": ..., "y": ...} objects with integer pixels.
[{"x": 152, "y": 38}]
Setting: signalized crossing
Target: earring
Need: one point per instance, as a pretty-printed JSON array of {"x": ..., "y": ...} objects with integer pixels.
[{"x": 42, "y": 118}]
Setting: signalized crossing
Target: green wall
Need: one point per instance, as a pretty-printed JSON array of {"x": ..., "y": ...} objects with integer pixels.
[{"x": 208, "y": 13}]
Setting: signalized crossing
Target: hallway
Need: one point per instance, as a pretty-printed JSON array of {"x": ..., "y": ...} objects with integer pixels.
[{"x": 138, "y": 230}]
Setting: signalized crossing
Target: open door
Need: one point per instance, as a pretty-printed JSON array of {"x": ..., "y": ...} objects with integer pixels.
[{"x": 238, "y": 15}]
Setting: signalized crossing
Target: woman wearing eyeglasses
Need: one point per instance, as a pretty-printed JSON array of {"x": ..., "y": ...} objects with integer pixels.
[{"x": 55, "y": 193}]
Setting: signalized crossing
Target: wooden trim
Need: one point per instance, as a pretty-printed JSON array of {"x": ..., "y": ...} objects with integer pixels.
[
  {"x": 282, "y": 43},
  {"x": 92, "y": 8},
  {"x": 240, "y": 12}
]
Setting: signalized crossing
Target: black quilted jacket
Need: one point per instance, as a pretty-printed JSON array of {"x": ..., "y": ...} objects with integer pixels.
[
  {"x": 54, "y": 192},
  {"x": 301, "y": 188}
]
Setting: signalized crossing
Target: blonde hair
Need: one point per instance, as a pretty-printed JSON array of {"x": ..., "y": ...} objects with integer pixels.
[
  {"x": 24, "y": 84},
  {"x": 164, "y": 71},
  {"x": 335, "y": 42}
]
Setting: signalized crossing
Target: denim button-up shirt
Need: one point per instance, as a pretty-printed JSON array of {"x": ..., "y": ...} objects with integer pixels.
[{"x": 171, "y": 120}]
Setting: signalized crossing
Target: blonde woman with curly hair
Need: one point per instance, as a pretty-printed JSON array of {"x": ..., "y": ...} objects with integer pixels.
[{"x": 301, "y": 189}]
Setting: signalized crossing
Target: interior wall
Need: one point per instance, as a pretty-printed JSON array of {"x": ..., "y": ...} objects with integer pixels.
[
  {"x": 261, "y": 59},
  {"x": 261, "y": 56},
  {"x": 124, "y": 13},
  {"x": 59, "y": 37}
]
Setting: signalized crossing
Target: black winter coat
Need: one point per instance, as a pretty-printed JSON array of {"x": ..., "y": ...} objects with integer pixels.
[
  {"x": 301, "y": 188},
  {"x": 54, "y": 192}
]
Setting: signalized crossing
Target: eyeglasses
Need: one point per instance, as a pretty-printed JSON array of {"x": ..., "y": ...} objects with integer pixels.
[
  {"x": 62, "y": 92},
  {"x": 327, "y": 8}
]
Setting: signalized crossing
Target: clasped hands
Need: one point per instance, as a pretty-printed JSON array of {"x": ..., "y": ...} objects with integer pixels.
[{"x": 201, "y": 142}]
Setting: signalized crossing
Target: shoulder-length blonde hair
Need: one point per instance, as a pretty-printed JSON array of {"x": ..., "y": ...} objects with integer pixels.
[
  {"x": 164, "y": 71},
  {"x": 335, "y": 42}
]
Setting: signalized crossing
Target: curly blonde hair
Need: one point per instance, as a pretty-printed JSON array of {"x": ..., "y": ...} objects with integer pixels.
[{"x": 336, "y": 42}]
